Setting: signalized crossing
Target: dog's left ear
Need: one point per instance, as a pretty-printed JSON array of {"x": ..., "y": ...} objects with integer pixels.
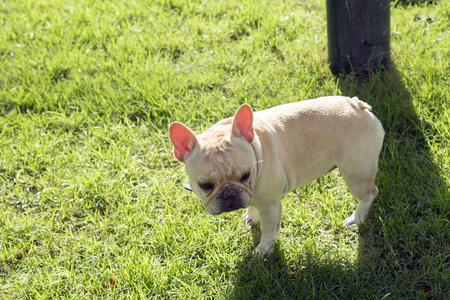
[{"x": 243, "y": 123}]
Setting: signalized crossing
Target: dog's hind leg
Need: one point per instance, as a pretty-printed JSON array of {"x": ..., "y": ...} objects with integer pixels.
[
  {"x": 361, "y": 183},
  {"x": 361, "y": 211}
]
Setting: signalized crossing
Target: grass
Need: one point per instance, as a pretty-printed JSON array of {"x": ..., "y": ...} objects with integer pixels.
[{"x": 91, "y": 201}]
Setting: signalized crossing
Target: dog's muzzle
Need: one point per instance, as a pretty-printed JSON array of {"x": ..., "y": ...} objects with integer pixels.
[{"x": 231, "y": 198}]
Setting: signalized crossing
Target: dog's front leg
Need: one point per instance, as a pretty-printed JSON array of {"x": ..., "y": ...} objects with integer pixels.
[{"x": 270, "y": 218}]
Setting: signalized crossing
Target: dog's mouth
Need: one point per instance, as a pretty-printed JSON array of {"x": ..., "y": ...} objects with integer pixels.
[{"x": 226, "y": 206}]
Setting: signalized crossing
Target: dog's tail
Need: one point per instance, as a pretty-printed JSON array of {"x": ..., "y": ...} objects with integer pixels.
[{"x": 359, "y": 104}]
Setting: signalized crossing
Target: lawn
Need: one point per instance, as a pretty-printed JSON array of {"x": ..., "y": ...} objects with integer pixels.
[{"x": 91, "y": 198}]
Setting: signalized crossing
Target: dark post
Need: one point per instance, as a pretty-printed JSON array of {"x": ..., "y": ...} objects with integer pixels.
[{"x": 358, "y": 35}]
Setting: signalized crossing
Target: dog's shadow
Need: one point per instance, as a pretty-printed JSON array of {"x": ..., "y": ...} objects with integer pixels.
[{"x": 403, "y": 247}]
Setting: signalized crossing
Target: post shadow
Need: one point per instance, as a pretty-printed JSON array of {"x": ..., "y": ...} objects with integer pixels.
[{"x": 403, "y": 245}]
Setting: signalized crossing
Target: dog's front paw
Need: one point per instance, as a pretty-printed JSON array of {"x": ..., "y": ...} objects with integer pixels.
[
  {"x": 350, "y": 221},
  {"x": 354, "y": 219},
  {"x": 263, "y": 250},
  {"x": 251, "y": 216},
  {"x": 358, "y": 216}
]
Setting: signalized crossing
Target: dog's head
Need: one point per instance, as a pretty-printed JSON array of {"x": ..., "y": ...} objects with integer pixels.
[{"x": 220, "y": 162}]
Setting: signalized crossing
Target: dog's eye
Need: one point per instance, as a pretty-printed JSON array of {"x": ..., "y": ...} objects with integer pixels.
[
  {"x": 245, "y": 176},
  {"x": 206, "y": 186}
]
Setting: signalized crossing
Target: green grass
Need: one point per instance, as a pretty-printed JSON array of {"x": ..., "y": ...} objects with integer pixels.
[{"x": 91, "y": 201}]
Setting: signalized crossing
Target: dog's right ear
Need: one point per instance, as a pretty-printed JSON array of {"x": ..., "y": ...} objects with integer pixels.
[{"x": 183, "y": 140}]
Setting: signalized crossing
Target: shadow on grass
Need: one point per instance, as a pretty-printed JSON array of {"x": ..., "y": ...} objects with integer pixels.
[{"x": 404, "y": 249}]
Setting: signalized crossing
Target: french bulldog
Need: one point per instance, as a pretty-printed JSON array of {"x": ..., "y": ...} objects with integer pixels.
[{"x": 253, "y": 159}]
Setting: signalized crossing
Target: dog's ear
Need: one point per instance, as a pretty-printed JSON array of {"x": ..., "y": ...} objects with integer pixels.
[
  {"x": 243, "y": 123},
  {"x": 183, "y": 140}
]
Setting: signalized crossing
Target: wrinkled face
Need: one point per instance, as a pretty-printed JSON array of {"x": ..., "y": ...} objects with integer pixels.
[{"x": 221, "y": 171}]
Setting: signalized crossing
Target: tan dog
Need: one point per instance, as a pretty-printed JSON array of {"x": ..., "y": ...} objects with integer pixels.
[{"x": 252, "y": 160}]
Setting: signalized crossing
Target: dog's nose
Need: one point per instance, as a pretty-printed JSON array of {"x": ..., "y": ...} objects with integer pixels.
[
  {"x": 230, "y": 199},
  {"x": 230, "y": 193}
]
